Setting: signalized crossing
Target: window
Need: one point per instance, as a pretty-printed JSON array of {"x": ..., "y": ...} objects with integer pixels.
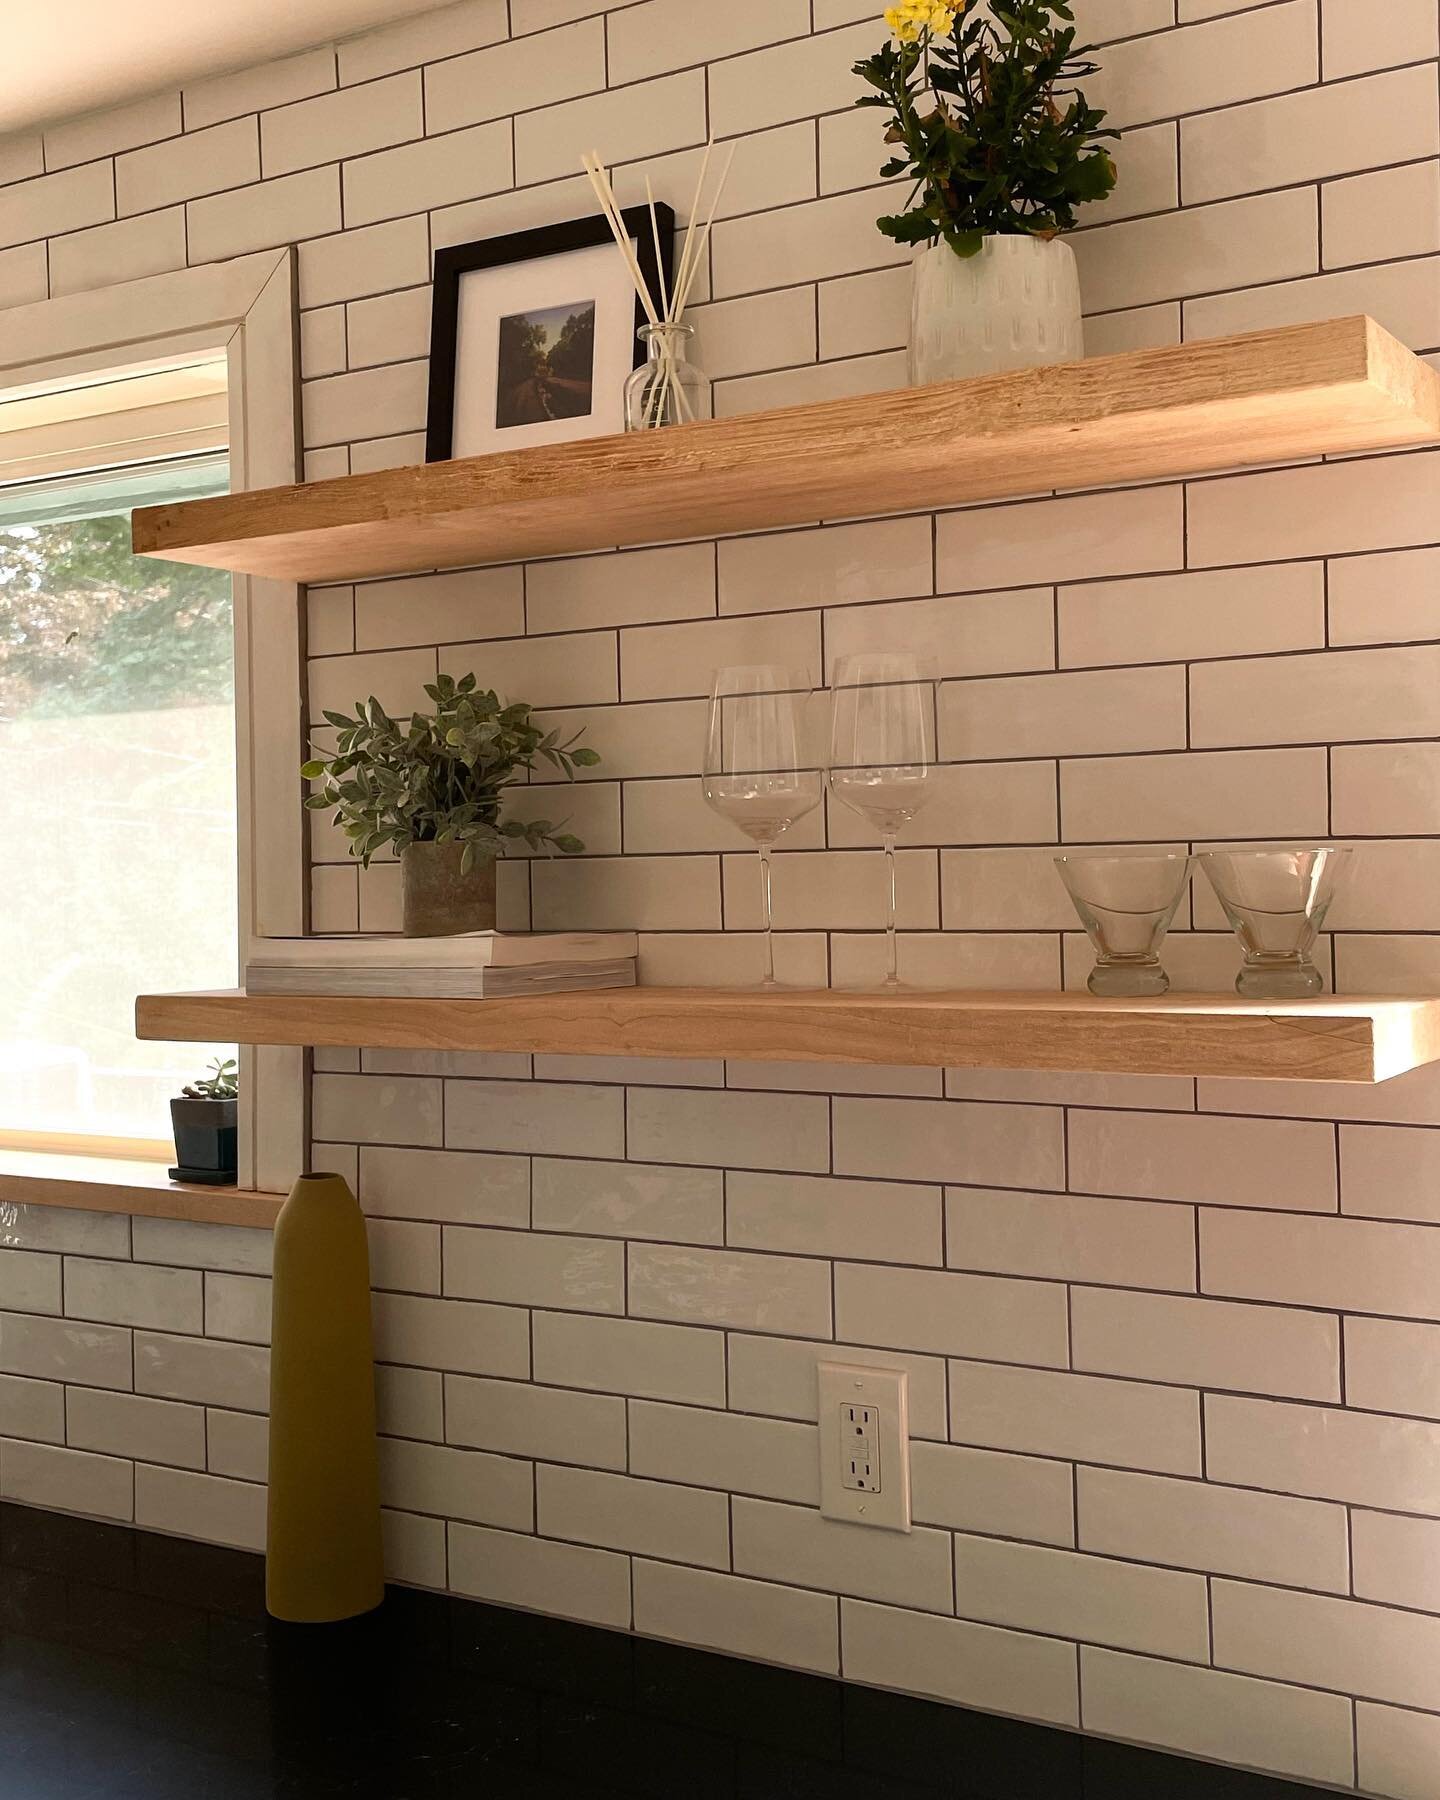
[{"x": 117, "y": 795}]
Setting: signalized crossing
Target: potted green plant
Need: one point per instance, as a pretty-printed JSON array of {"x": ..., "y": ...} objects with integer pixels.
[
  {"x": 431, "y": 788},
  {"x": 1001, "y": 148},
  {"x": 204, "y": 1117}
]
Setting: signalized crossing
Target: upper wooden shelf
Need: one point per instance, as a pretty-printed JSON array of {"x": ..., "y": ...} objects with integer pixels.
[
  {"x": 1271, "y": 396},
  {"x": 103, "y": 1184},
  {"x": 1183, "y": 1034}
]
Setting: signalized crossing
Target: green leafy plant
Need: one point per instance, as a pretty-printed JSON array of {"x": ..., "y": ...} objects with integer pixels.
[
  {"x": 223, "y": 1084},
  {"x": 991, "y": 129},
  {"x": 441, "y": 777}
]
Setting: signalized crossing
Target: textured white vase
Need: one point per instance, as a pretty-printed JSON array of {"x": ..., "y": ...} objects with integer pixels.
[{"x": 1013, "y": 305}]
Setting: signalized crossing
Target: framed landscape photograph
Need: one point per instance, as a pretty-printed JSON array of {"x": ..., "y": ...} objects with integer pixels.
[{"x": 534, "y": 333}]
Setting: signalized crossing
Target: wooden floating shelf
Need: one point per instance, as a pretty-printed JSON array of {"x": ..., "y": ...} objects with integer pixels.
[
  {"x": 99, "y": 1184},
  {"x": 1270, "y": 396},
  {"x": 1183, "y": 1034}
]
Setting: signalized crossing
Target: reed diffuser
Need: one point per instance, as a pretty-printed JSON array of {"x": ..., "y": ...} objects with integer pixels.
[{"x": 667, "y": 389}]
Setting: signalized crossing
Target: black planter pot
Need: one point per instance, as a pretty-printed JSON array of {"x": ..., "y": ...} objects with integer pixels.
[{"x": 206, "y": 1141}]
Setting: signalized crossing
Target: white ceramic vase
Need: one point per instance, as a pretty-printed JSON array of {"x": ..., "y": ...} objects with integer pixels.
[{"x": 1013, "y": 305}]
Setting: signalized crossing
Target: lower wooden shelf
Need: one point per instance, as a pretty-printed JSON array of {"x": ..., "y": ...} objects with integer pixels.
[
  {"x": 105, "y": 1184},
  {"x": 1357, "y": 1040}
]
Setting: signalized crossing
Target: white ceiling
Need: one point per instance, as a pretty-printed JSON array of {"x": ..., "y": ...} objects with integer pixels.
[{"x": 59, "y": 58}]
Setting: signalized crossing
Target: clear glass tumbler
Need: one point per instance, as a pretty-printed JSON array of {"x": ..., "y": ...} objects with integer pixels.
[
  {"x": 1276, "y": 901},
  {"x": 1126, "y": 903}
]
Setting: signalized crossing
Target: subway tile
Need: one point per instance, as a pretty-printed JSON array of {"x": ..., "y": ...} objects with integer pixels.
[
  {"x": 745, "y": 1291},
  {"x": 452, "y": 1186},
  {"x": 68, "y": 1480},
  {"x": 774, "y": 1131},
  {"x": 1284, "y": 1164},
  {"x": 953, "y": 1659},
  {"x": 868, "y": 1220},
  {"x": 1353, "y": 40},
  {"x": 668, "y": 816},
  {"x": 456, "y": 1335},
  {"x": 1326, "y": 1453},
  {"x": 1196, "y": 794},
  {"x": 434, "y": 172},
  {"x": 968, "y": 803},
  {"x": 860, "y": 314},
  {"x": 1060, "y": 1237},
  {"x": 1397, "y": 1560},
  {"x": 1390, "y": 888},
  {"x": 666, "y": 738},
  {"x": 329, "y": 612},
  {"x": 1208, "y": 65},
  {"x": 795, "y": 1543},
  {"x": 681, "y": 1524},
  {"x": 456, "y": 1484},
  {"x": 404, "y": 1255},
  {"x": 1133, "y": 328},
  {"x": 1149, "y": 159},
  {"x": 36, "y": 1409},
  {"x": 813, "y": 241},
  {"x": 1308, "y": 135},
  {"x": 578, "y": 670},
  {"x": 521, "y": 1268},
  {"x": 774, "y": 1458},
  {"x": 410, "y": 1402},
  {"x": 1324, "y": 509},
  {"x": 30, "y": 1281},
  {"x": 1201, "y": 1525},
  {"x": 388, "y": 328},
  {"x": 438, "y": 609},
  {"x": 207, "y": 1371},
  {"x": 755, "y": 333},
  {"x": 1131, "y": 531},
  {"x": 1209, "y": 1713},
  {"x": 880, "y": 559},
  {"x": 952, "y": 1140},
  {"x": 238, "y": 1307},
  {"x": 659, "y": 662},
  {"x": 219, "y": 1511},
  {"x": 1346, "y": 1263},
  {"x": 466, "y": 90},
  {"x": 963, "y": 634},
  {"x": 52, "y": 204},
  {"x": 1411, "y": 1099},
  {"x": 629, "y": 1200},
  {"x": 107, "y": 133},
  {"x": 338, "y": 408},
  {"x": 992, "y": 889},
  {"x": 631, "y": 893},
  {"x": 742, "y": 1618},
  {"x": 835, "y": 890},
  {"x": 634, "y": 1071},
  {"x": 518, "y": 1419},
  {"x": 1392, "y": 1365},
  {"x": 1206, "y": 1343},
  {"x": 1400, "y": 296},
  {"x": 1174, "y": 618},
  {"x": 628, "y": 587},
  {"x": 590, "y": 809},
  {"x": 1327, "y": 1642},
  {"x": 1335, "y": 696},
  {"x": 360, "y": 262},
  {"x": 269, "y": 84},
  {"x": 845, "y": 379},
  {"x": 23, "y": 274},
  {"x": 64, "y": 1350},
  {"x": 1388, "y": 212},
  {"x": 1075, "y": 713},
  {"x": 949, "y": 959},
  {"x": 728, "y": 959},
  {"x": 668, "y": 34},
  {"x": 1096, "y": 1599},
  {"x": 158, "y": 1431},
  {"x": 776, "y": 1377},
  {"x": 836, "y": 1078},
  {"x": 1026, "y": 1497},
  {"x": 346, "y": 123},
  {"x": 518, "y": 1116},
  {"x": 265, "y": 216},
  {"x": 644, "y": 120},
  {"x": 414, "y": 1549},
  {"x": 237, "y": 1445},
  {"x": 953, "y": 1315},
  {"x": 191, "y": 1244},
  {"x": 1388, "y": 598},
  {"x": 1048, "y": 1413},
  {"x": 513, "y": 1570},
  {"x": 202, "y": 162},
  {"x": 1398, "y": 1750},
  {"x": 630, "y": 1356},
  {"x": 397, "y": 678},
  {"x": 1159, "y": 1093},
  {"x": 435, "y": 35},
  {"x": 21, "y": 157},
  {"x": 126, "y": 251},
  {"x": 369, "y": 1109},
  {"x": 792, "y": 80}
]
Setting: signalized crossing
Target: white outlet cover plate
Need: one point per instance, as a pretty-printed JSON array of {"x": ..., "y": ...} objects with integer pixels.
[{"x": 847, "y": 1384}]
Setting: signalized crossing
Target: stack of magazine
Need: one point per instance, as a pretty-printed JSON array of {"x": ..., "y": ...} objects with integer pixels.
[{"x": 476, "y": 965}]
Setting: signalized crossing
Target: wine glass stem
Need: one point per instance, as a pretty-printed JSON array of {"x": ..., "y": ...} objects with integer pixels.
[
  {"x": 892, "y": 954},
  {"x": 769, "y": 915}
]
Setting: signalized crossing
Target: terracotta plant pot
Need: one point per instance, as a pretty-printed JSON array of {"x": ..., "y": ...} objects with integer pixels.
[
  {"x": 206, "y": 1141},
  {"x": 436, "y": 899}
]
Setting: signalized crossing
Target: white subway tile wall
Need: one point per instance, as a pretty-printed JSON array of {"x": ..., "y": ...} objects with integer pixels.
[{"x": 1173, "y": 1348}]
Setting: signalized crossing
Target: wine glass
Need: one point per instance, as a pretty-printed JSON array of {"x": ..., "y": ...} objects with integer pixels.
[
  {"x": 759, "y": 773},
  {"x": 882, "y": 749}
]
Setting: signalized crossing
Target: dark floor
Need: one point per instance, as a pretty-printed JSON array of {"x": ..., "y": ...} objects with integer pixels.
[{"x": 135, "y": 1667}]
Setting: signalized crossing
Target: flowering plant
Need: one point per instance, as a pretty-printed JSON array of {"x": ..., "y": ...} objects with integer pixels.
[{"x": 994, "y": 134}]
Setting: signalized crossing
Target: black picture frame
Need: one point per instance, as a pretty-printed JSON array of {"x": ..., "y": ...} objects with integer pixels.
[{"x": 458, "y": 260}]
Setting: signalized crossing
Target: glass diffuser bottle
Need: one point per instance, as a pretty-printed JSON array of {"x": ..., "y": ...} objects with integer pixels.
[{"x": 667, "y": 388}]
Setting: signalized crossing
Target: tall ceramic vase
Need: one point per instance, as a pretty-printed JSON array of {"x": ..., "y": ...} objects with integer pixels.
[
  {"x": 1014, "y": 304},
  {"x": 323, "y": 1555}
]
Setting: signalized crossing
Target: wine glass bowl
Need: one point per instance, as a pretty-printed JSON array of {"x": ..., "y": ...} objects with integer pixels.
[
  {"x": 1126, "y": 902},
  {"x": 1276, "y": 901},
  {"x": 760, "y": 772}
]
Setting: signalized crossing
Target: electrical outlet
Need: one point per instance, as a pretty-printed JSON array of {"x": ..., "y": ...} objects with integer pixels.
[{"x": 864, "y": 1445}]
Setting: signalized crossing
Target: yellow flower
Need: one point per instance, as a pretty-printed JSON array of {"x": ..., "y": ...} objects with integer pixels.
[{"x": 912, "y": 17}]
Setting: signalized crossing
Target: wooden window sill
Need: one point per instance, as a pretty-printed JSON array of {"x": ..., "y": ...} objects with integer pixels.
[{"x": 103, "y": 1184}]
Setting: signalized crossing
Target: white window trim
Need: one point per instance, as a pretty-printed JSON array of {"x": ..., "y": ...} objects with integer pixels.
[{"x": 248, "y": 308}]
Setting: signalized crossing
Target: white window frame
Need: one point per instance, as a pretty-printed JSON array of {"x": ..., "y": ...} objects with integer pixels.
[{"x": 248, "y": 308}]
